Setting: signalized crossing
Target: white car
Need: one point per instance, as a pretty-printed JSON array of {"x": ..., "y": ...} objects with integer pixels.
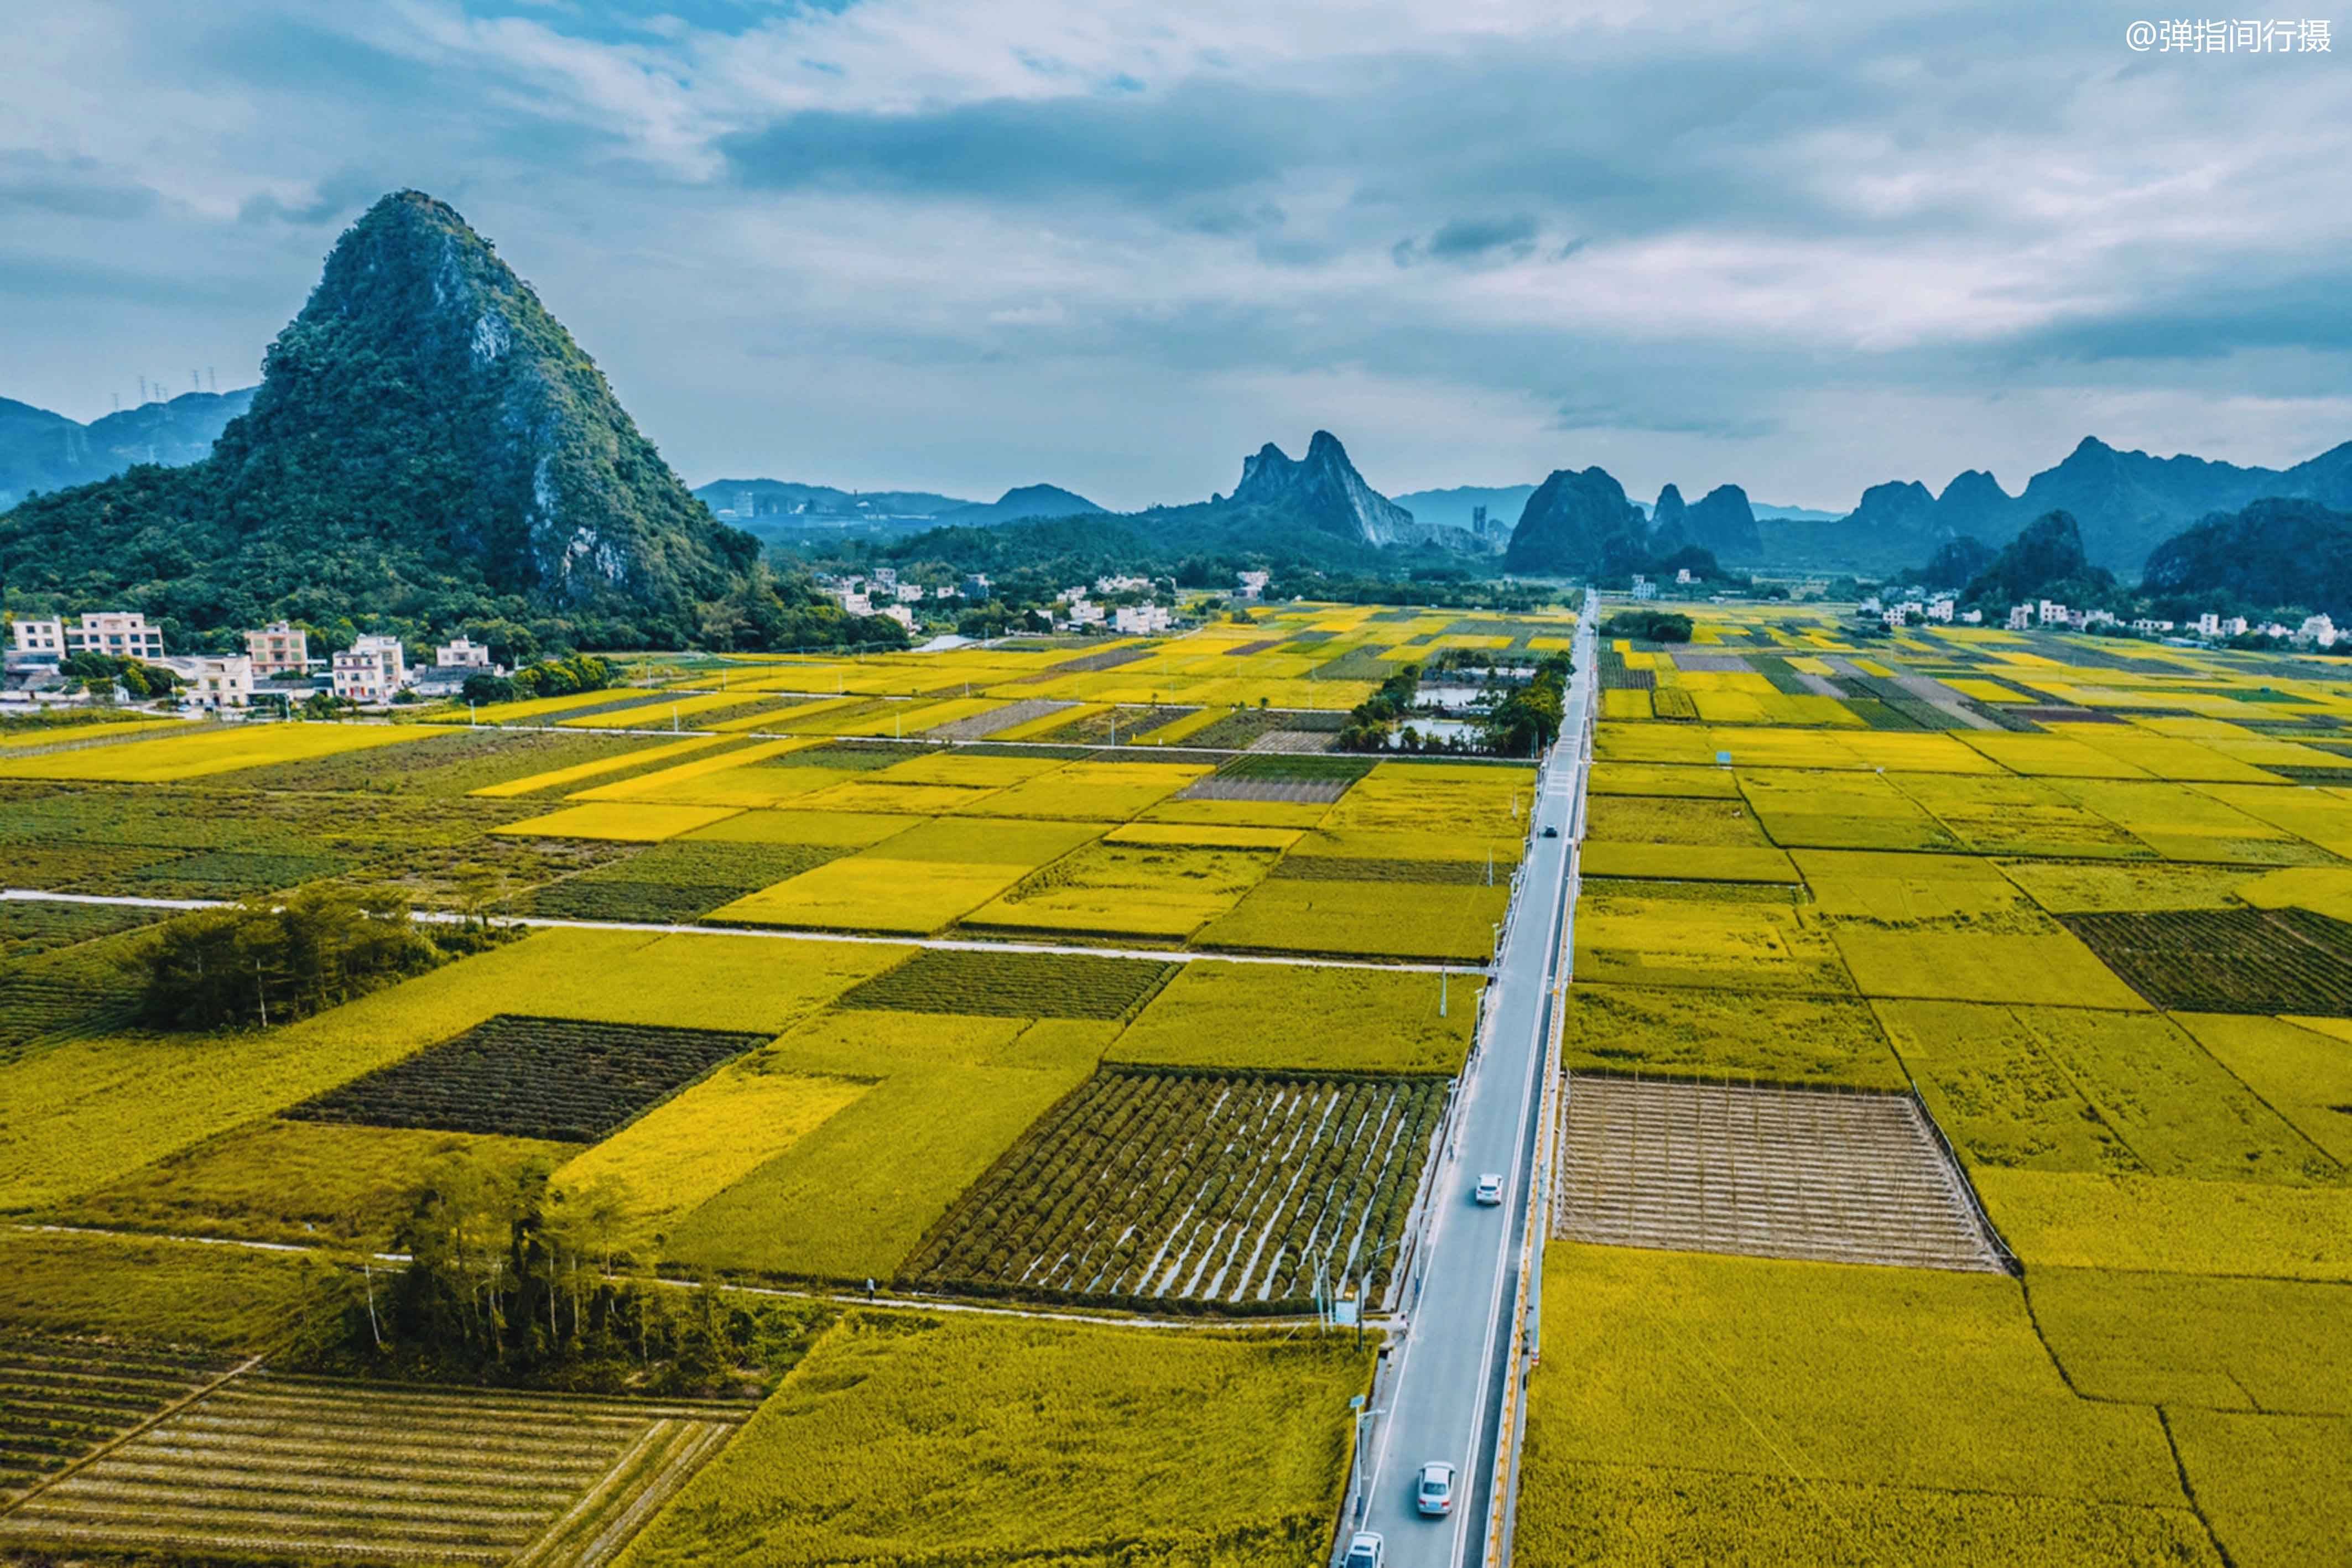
[
  {"x": 1433, "y": 1493},
  {"x": 1364, "y": 1550},
  {"x": 1489, "y": 1193}
]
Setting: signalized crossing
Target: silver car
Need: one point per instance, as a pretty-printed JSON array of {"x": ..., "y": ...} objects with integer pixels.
[
  {"x": 1365, "y": 1549},
  {"x": 1433, "y": 1493},
  {"x": 1489, "y": 1191}
]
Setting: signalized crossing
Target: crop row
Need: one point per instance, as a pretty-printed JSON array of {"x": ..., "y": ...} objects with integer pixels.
[
  {"x": 564, "y": 1079},
  {"x": 1013, "y": 985},
  {"x": 1348, "y": 868},
  {"x": 2228, "y": 960},
  {"x": 303, "y": 1468},
  {"x": 674, "y": 880},
  {"x": 1231, "y": 1191},
  {"x": 61, "y": 1397}
]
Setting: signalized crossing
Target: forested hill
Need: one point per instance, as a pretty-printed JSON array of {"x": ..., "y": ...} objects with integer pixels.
[{"x": 428, "y": 444}]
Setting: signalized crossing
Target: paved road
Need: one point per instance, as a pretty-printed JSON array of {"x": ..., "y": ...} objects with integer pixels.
[{"x": 1442, "y": 1396}]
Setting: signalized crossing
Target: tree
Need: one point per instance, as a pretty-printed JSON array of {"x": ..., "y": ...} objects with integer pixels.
[{"x": 263, "y": 963}]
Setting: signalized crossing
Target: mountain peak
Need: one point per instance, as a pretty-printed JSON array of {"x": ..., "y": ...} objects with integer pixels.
[
  {"x": 425, "y": 402},
  {"x": 1325, "y": 491},
  {"x": 1578, "y": 524}
]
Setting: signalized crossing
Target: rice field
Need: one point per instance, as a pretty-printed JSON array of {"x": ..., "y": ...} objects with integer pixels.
[
  {"x": 293, "y": 1468},
  {"x": 1156, "y": 1186},
  {"x": 2099, "y": 928}
]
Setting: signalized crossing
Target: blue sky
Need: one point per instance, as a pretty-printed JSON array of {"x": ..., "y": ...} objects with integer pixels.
[{"x": 1116, "y": 247}]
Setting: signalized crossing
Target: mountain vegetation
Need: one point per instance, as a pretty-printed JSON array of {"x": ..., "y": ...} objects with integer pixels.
[
  {"x": 430, "y": 447},
  {"x": 2047, "y": 560},
  {"x": 2273, "y": 553}
]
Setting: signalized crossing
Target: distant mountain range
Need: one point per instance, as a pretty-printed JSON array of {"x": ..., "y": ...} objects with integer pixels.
[
  {"x": 45, "y": 450},
  {"x": 2126, "y": 503}
]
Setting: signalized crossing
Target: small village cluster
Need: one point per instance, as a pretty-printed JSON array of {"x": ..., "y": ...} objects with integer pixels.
[{"x": 276, "y": 666}]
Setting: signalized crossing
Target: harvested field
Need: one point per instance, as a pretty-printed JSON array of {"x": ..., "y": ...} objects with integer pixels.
[
  {"x": 563, "y": 1079},
  {"x": 1000, "y": 718},
  {"x": 1012, "y": 985},
  {"x": 1224, "y": 785},
  {"x": 2228, "y": 960},
  {"x": 1296, "y": 742},
  {"x": 305, "y": 1468},
  {"x": 1765, "y": 1172},
  {"x": 1213, "y": 1188},
  {"x": 60, "y": 1398}
]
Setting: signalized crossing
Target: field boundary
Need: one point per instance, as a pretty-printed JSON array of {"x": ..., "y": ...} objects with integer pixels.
[{"x": 784, "y": 934}]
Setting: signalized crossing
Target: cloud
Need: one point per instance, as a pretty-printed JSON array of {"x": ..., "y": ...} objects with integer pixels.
[{"x": 1117, "y": 244}]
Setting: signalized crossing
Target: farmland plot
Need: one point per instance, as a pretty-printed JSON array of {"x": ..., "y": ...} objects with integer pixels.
[
  {"x": 536, "y": 1078},
  {"x": 1012, "y": 985},
  {"x": 1222, "y": 1190},
  {"x": 61, "y": 1397},
  {"x": 276, "y": 1466},
  {"x": 2229, "y": 961}
]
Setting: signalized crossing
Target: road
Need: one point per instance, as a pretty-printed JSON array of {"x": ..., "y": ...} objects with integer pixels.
[{"x": 1442, "y": 1398}]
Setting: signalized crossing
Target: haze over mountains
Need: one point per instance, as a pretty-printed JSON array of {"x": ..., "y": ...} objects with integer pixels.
[{"x": 43, "y": 450}]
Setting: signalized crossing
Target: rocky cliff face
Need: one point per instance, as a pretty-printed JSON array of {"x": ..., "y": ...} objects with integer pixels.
[
  {"x": 1578, "y": 524},
  {"x": 418, "y": 329},
  {"x": 1323, "y": 491}
]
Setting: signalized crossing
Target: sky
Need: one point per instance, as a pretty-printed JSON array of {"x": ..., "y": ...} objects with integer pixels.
[{"x": 939, "y": 245}]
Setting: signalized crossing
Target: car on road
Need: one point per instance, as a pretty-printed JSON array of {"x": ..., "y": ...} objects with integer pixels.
[
  {"x": 1552, "y": 833},
  {"x": 1489, "y": 1191},
  {"x": 1432, "y": 1491},
  {"x": 1364, "y": 1550}
]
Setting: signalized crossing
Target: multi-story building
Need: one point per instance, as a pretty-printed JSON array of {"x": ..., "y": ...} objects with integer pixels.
[
  {"x": 279, "y": 648},
  {"x": 462, "y": 654},
  {"x": 371, "y": 670},
  {"x": 1137, "y": 619},
  {"x": 1252, "y": 584},
  {"x": 217, "y": 681},
  {"x": 2049, "y": 613},
  {"x": 122, "y": 633},
  {"x": 2020, "y": 617},
  {"x": 41, "y": 639}
]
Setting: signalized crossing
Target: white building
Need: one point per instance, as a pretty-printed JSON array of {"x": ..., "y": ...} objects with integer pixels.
[
  {"x": 855, "y": 603},
  {"x": 371, "y": 670},
  {"x": 1251, "y": 584},
  {"x": 899, "y": 613},
  {"x": 2150, "y": 627},
  {"x": 42, "y": 639},
  {"x": 463, "y": 653},
  {"x": 1643, "y": 588},
  {"x": 279, "y": 648},
  {"x": 1972, "y": 617},
  {"x": 1895, "y": 615},
  {"x": 975, "y": 585},
  {"x": 1940, "y": 610},
  {"x": 1122, "y": 585},
  {"x": 2317, "y": 630},
  {"x": 1682, "y": 574},
  {"x": 215, "y": 680},
  {"x": 1083, "y": 612},
  {"x": 1139, "y": 620},
  {"x": 2020, "y": 617},
  {"x": 909, "y": 592},
  {"x": 121, "y": 633},
  {"x": 2049, "y": 613},
  {"x": 888, "y": 576}
]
